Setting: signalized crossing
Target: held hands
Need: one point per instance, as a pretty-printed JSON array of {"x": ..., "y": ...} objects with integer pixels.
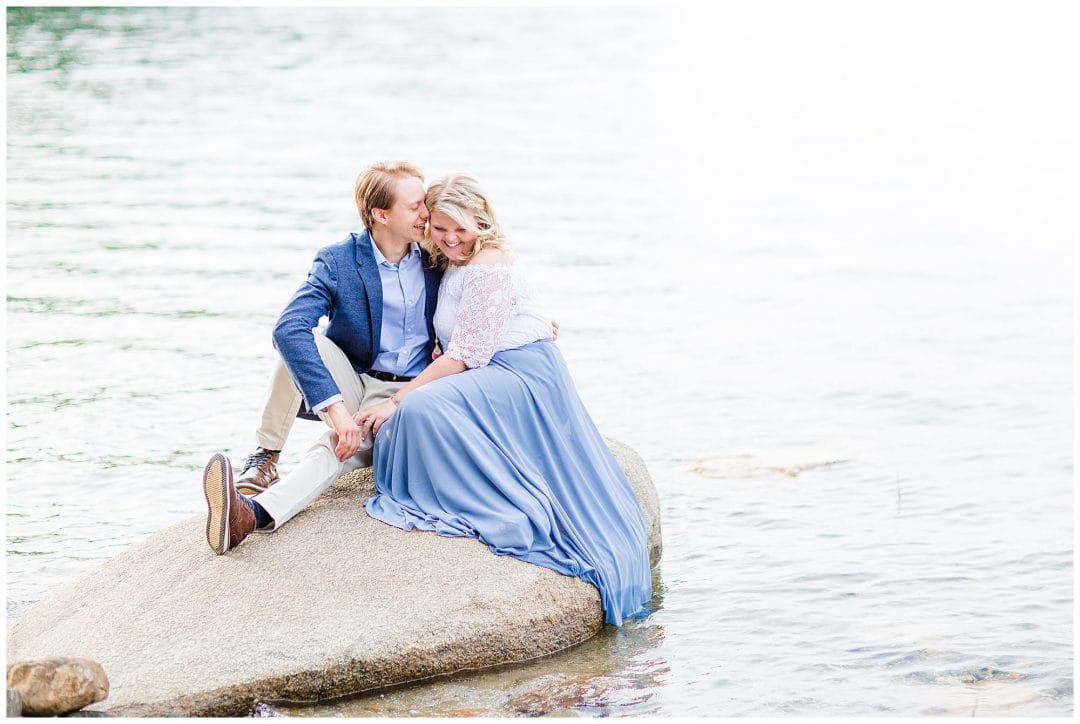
[
  {"x": 371, "y": 418},
  {"x": 351, "y": 430},
  {"x": 346, "y": 430}
]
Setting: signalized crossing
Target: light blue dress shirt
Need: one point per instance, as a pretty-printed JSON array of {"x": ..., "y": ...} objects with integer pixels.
[{"x": 404, "y": 333}]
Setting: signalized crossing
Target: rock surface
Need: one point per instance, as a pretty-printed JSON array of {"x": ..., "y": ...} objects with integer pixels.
[
  {"x": 57, "y": 685},
  {"x": 334, "y": 603}
]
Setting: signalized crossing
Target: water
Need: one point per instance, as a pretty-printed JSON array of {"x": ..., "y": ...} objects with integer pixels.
[{"x": 813, "y": 264}]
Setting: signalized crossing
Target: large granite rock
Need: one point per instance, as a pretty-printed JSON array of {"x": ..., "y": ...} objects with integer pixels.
[
  {"x": 56, "y": 685},
  {"x": 334, "y": 603}
]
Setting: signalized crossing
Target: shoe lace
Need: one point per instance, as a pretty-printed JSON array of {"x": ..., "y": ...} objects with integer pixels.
[{"x": 256, "y": 459}]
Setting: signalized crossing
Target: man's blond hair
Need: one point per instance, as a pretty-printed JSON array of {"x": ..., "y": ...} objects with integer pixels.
[{"x": 375, "y": 187}]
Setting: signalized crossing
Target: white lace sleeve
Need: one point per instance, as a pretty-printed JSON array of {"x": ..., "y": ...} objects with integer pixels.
[{"x": 487, "y": 301}]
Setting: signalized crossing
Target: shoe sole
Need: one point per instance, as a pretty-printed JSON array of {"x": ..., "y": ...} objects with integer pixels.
[
  {"x": 245, "y": 488},
  {"x": 216, "y": 490}
]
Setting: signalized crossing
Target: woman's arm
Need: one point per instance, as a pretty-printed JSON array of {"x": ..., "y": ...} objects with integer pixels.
[
  {"x": 485, "y": 309},
  {"x": 371, "y": 418}
]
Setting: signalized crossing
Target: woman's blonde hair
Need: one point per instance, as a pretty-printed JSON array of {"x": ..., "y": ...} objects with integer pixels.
[{"x": 461, "y": 198}]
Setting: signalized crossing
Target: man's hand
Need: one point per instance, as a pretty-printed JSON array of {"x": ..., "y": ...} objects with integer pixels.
[
  {"x": 371, "y": 418},
  {"x": 345, "y": 429},
  {"x": 554, "y": 331}
]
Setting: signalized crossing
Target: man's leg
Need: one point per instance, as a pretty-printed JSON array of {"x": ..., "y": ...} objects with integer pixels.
[
  {"x": 316, "y": 471},
  {"x": 279, "y": 413},
  {"x": 232, "y": 517},
  {"x": 319, "y": 467},
  {"x": 280, "y": 410}
]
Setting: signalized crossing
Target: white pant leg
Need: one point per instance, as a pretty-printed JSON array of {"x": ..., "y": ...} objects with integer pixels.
[
  {"x": 316, "y": 471},
  {"x": 357, "y": 391},
  {"x": 283, "y": 400},
  {"x": 319, "y": 467}
]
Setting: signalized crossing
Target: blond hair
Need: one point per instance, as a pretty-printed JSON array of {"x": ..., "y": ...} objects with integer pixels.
[
  {"x": 461, "y": 198},
  {"x": 375, "y": 187}
]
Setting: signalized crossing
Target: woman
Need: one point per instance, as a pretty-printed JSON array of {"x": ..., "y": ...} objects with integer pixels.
[{"x": 491, "y": 440}]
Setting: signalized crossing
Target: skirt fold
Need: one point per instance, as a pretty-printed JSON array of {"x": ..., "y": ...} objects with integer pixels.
[{"x": 508, "y": 454}]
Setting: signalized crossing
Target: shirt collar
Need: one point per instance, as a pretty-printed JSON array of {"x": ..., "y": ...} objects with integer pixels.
[{"x": 414, "y": 251}]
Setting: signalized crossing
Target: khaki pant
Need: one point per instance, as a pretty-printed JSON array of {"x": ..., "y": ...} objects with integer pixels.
[{"x": 319, "y": 466}]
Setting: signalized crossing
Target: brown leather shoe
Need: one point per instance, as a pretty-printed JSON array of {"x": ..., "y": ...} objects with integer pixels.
[
  {"x": 230, "y": 519},
  {"x": 259, "y": 473}
]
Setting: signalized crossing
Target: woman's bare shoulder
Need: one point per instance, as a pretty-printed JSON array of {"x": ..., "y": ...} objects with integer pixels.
[{"x": 491, "y": 256}]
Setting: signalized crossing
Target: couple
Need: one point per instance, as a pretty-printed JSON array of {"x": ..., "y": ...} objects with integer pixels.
[{"x": 487, "y": 439}]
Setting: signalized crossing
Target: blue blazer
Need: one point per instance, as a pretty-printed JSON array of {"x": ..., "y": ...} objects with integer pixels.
[{"x": 344, "y": 285}]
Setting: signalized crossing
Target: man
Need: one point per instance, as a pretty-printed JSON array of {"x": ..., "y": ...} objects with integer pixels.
[{"x": 379, "y": 293}]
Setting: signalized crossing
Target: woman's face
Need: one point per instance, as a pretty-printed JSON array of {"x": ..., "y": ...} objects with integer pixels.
[{"x": 450, "y": 237}]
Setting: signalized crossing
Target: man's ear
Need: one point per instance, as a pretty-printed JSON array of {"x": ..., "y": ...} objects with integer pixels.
[{"x": 379, "y": 215}]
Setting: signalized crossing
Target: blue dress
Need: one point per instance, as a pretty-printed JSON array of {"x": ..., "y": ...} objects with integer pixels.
[{"x": 507, "y": 453}]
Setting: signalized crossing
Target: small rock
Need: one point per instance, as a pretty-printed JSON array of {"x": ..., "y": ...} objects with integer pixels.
[
  {"x": 14, "y": 703},
  {"x": 262, "y": 710},
  {"x": 57, "y": 685},
  {"x": 559, "y": 692}
]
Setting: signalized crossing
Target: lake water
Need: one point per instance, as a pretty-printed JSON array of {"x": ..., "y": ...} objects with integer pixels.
[{"x": 814, "y": 264}]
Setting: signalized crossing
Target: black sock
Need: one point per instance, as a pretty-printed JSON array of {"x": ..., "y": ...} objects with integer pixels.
[{"x": 262, "y": 518}]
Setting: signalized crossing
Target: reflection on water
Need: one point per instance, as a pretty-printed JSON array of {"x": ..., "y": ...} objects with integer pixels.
[{"x": 818, "y": 280}]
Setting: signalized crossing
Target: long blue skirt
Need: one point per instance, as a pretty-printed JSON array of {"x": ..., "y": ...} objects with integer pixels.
[{"x": 507, "y": 453}]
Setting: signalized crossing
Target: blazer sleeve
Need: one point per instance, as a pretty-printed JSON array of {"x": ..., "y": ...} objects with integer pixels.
[{"x": 294, "y": 336}]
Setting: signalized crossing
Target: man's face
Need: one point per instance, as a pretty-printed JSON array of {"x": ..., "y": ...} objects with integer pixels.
[{"x": 405, "y": 220}]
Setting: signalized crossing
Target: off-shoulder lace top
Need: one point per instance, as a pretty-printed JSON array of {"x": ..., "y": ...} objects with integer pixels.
[{"x": 484, "y": 309}]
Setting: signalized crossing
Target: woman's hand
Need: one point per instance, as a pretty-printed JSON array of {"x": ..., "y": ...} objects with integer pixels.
[
  {"x": 371, "y": 418},
  {"x": 346, "y": 429}
]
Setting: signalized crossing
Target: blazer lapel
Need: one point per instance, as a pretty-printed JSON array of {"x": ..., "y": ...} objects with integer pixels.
[
  {"x": 432, "y": 277},
  {"x": 369, "y": 275}
]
